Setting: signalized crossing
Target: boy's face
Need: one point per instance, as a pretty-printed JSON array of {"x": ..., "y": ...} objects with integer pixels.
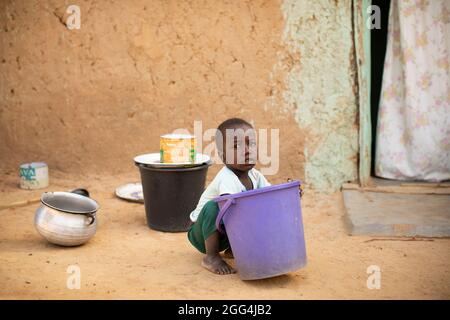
[{"x": 239, "y": 147}]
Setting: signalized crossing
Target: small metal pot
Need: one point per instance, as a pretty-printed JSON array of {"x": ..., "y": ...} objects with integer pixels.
[{"x": 66, "y": 218}]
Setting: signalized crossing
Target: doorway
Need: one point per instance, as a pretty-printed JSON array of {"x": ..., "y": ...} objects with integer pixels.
[{"x": 378, "y": 42}]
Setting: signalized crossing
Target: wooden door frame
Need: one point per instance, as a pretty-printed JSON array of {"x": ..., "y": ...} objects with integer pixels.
[{"x": 363, "y": 66}]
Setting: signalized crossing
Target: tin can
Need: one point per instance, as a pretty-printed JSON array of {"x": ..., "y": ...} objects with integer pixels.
[
  {"x": 177, "y": 148},
  {"x": 33, "y": 175}
]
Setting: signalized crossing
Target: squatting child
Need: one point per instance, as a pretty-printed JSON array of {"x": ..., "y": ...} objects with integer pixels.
[{"x": 238, "y": 153}]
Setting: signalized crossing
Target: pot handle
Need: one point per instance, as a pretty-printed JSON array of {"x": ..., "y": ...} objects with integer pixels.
[
  {"x": 221, "y": 214},
  {"x": 91, "y": 215},
  {"x": 81, "y": 191}
]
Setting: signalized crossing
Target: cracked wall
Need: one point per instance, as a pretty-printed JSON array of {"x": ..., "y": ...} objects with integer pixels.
[
  {"x": 89, "y": 100},
  {"x": 322, "y": 88}
]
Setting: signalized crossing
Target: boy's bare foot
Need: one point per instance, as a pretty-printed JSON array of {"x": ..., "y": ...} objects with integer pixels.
[
  {"x": 228, "y": 254},
  {"x": 216, "y": 265}
]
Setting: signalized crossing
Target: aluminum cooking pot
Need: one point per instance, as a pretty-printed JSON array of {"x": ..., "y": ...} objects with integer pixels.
[{"x": 66, "y": 218}]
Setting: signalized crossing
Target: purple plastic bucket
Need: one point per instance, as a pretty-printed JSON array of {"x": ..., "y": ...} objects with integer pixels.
[{"x": 265, "y": 230}]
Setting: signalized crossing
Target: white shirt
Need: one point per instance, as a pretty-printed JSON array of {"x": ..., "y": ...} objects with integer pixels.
[{"x": 227, "y": 182}]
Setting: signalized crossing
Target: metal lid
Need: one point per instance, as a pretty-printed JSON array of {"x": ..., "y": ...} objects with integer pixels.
[
  {"x": 153, "y": 160},
  {"x": 33, "y": 165},
  {"x": 69, "y": 202},
  {"x": 177, "y": 136}
]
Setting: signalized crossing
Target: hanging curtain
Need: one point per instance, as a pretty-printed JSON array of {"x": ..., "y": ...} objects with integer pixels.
[{"x": 413, "y": 134}]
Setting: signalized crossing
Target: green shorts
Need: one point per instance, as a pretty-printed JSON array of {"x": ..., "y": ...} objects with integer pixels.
[{"x": 205, "y": 226}]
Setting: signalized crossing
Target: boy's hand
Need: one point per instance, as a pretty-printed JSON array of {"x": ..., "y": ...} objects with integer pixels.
[{"x": 300, "y": 188}]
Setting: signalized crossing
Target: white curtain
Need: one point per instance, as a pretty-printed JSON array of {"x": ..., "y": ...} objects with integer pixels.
[{"x": 413, "y": 134}]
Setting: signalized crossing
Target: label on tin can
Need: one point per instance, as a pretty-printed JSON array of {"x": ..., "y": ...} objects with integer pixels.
[
  {"x": 33, "y": 175},
  {"x": 177, "y": 148}
]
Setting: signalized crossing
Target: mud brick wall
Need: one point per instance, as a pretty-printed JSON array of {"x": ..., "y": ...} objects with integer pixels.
[{"x": 89, "y": 100}]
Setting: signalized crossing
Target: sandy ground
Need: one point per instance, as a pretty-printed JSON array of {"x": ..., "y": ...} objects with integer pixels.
[{"x": 128, "y": 260}]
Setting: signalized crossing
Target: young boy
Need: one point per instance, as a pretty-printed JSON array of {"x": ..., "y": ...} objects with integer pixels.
[{"x": 238, "y": 175}]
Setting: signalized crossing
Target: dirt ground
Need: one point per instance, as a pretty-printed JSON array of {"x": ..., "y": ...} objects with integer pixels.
[{"x": 128, "y": 260}]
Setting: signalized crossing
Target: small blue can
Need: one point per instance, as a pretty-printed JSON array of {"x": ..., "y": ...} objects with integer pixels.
[{"x": 33, "y": 175}]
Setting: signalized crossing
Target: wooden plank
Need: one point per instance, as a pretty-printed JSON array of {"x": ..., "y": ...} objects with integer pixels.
[
  {"x": 405, "y": 215},
  {"x": 425, "y": 184},
  {"x": 363, "y": 67},
  {"x": 398, "y": 189},
  {"x": 350, "y": 186},
  {"x": 20, "y": 203}
]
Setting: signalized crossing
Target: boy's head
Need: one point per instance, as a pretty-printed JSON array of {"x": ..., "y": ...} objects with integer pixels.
[{"x": 236, "y": 143}]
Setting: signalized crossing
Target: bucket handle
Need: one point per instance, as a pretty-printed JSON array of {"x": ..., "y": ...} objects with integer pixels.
[{"x": 221, "y": 214}]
